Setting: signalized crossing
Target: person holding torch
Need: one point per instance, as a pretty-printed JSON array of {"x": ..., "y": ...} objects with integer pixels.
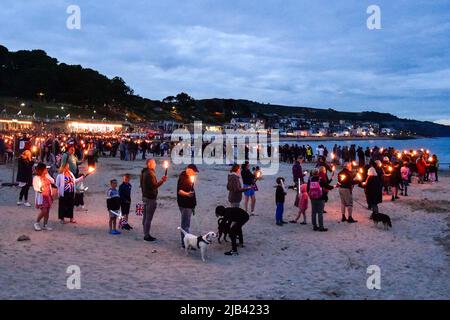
[
  {"x": 186, "y": 198},
  {"x": 346, "y": 181},
  {"x": 249, "y": 180},
  {"x": 149, "y": 187},
  {"x": 66, "y": 181}
]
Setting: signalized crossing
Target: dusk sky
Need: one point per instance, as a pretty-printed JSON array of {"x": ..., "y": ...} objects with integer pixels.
[{"x": 299, "y": 53}]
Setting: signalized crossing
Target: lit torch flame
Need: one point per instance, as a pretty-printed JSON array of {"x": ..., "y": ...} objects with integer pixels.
[{"x": 166, "y": 167}]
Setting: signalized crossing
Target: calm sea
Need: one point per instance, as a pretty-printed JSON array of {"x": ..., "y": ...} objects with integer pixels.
[{"x": 438, "y": 146}]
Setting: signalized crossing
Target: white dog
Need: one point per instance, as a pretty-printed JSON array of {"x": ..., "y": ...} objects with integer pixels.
[{"x": 200, "y": 242}]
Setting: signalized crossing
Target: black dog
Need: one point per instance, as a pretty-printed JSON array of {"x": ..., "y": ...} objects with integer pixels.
[
  {"x": 224, "y": 229},
  {"x": 383, "y": 218}
]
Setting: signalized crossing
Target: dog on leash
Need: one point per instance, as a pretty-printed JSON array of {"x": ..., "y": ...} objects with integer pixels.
[
  {"x": 383, "y": 218},
  {"x": 199, "y": 242},
  {"x": 224, "y": 229}
]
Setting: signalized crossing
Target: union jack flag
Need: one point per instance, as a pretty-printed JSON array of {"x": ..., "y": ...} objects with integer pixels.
[
  {"x": 122, "y": 222},
  {"x": 139, "y": 209}
]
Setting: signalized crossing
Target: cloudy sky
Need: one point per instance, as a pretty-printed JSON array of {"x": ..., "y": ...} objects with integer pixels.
[{"x": 300, "y": 53}]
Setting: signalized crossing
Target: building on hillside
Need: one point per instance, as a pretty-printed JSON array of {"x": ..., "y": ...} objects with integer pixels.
[
  {"x": 248, "y": 123},
  {"x": 171, "y": 125}
]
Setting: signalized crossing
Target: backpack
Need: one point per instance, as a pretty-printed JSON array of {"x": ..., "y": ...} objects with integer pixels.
[{"x": 315, "y": 190}]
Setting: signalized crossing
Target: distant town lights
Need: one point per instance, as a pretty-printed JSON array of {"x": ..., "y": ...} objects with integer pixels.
[
  {"x": 90, "y": 126},
  {"x": 16, "y": 121}
]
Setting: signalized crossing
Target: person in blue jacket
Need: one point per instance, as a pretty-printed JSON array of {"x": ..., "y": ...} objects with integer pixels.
[{"x": 125, "y": 198}]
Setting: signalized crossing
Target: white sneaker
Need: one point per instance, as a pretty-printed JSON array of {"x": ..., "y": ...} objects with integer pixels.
[
  {"x": 19, "y": 203},
  {"x": 27, "y": 204},
  {"x": 47, "y": 228},
  {"x": 37, "y": 227}
]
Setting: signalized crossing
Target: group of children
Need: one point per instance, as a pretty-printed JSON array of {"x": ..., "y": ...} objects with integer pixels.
[{"x": 118, "y": 202}]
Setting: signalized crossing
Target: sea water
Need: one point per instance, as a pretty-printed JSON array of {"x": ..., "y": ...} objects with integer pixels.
[{"x": 438, "y": 146}]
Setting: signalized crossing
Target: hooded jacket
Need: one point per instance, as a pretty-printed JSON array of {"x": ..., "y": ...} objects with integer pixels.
[{"x": 374, "y": 189}]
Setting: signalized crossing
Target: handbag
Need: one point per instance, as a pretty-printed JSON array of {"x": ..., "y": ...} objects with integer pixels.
[{"x": 296, "y": 201}]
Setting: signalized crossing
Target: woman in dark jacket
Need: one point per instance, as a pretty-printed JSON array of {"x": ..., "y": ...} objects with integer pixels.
[
  {"x": 374, "y": 190},
  {"x": 25, "y": 176}
]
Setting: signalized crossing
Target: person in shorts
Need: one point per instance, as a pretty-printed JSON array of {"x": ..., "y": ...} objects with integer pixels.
[{"x": 248, "y": 180}]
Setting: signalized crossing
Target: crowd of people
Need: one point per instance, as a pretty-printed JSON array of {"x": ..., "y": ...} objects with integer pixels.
[
  {"x": 378, "y": 171},
  {"x": 58, "y": 166}
]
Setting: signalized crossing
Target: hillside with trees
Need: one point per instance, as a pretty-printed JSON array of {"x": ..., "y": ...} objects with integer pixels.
[{"x": 55, "y": 89}]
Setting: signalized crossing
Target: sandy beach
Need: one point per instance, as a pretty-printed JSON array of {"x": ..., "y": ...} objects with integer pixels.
[{"x": 289, "y": 262}]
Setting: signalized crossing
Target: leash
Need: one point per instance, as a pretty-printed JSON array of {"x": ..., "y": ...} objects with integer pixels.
[
  {"x": 197, "y": 221},
  {"x": 365, "y": 207}
]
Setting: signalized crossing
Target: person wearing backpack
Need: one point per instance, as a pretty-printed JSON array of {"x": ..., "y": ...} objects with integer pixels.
[{"x": 315, "y": 188}]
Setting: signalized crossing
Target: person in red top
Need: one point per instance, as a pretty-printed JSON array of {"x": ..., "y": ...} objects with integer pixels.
[
  {"x": 302, "y": 204},
  {"x": 42, "y": 185},
  {"x": 421, "y": 168}
]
